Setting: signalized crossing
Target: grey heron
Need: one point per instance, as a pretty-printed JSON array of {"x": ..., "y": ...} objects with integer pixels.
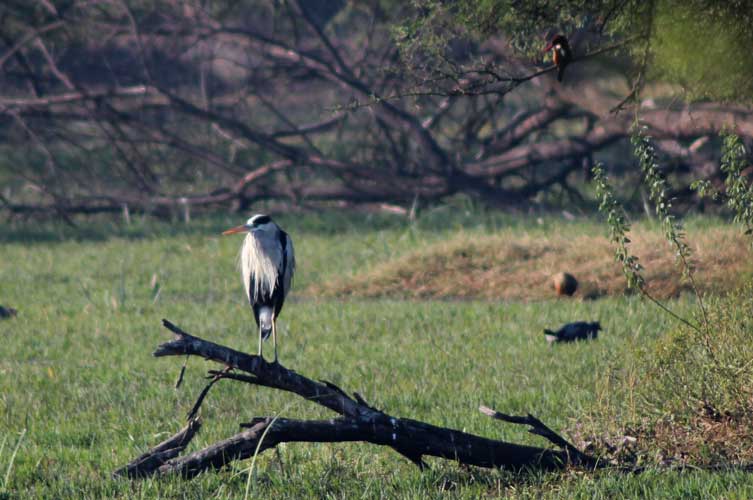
[{"x": 267, "y": 263}]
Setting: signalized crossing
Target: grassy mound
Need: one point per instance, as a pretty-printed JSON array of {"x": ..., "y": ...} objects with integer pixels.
[{"x": 521, "y": 266}]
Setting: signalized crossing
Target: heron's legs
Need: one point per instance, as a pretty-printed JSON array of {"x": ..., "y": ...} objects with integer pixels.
[{"x": 274, "y": 335}]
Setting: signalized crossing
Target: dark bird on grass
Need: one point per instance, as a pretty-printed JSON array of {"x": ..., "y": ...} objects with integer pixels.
[
  {"x": 561, "y": 54},
  {"x": 267, "y": 263},
  {"x": 7, "y": 312},
  {"x": 571, "y": 332}
]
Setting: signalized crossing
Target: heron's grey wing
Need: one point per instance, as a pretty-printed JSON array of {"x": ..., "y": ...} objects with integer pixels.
[
  {"x": 273, "y": 250},
  {"x": 285, "y": 267},
  {"x": 289, "y": 263}
]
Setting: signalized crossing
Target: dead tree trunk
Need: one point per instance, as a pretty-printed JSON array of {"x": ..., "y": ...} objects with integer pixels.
[{"x": 358, "y": 421}]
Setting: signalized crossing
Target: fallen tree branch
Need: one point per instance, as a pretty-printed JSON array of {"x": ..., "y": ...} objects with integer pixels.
[
  {"x": 147, "y": 464},
  {"x": 358, "y": 421},
  {"x": 538, "y": 427}
]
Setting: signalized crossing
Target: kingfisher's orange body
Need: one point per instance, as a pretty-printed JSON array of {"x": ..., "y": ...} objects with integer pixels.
[{"x": 561, "y": 54}]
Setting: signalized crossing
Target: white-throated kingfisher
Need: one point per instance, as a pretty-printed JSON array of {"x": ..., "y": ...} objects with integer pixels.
[{"x": 561, "y": 54}]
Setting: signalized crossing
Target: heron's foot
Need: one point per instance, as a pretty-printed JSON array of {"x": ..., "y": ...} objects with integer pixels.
[{"x": 261, "y": 356}]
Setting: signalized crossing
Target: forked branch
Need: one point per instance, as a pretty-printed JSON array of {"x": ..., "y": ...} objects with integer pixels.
[{"x": 357, "y": 421}]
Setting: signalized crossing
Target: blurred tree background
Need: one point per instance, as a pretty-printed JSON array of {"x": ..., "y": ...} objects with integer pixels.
[{"x": 168, "y": 107}]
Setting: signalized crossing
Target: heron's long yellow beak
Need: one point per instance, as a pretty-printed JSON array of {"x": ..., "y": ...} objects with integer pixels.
[{"x": 237, "y": 229}]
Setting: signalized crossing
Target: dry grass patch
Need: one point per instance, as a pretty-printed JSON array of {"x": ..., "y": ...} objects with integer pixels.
[
  {"x": 520, "y": 267},
  {"x": 704, "y": 440},
  {"x": 708, "y": 439}
]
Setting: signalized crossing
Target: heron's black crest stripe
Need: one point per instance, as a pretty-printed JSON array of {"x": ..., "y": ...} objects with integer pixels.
[{"x": 262, "y": 219}]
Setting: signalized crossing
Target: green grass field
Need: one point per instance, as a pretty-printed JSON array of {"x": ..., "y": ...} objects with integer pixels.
[{"x": 80, "y": 393}]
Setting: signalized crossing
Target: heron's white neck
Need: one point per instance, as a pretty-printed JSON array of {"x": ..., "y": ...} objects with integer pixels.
[{"x": 256, "y": 263}]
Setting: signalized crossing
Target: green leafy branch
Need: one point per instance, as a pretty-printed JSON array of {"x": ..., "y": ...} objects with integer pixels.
[
  {"x": 674, "y": 233},
  {"x": 619, "y": 227},
  {"x": 739, "y": 190},
  {"x": 738, "y": 195}
]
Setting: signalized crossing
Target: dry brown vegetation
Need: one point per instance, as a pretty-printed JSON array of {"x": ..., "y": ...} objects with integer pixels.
[
  {"x": 502, "y": 266},
  {"x": 707, "y": 439}
]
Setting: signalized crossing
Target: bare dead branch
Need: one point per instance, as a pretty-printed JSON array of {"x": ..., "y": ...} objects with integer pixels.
[
  {"x": 146, "y": 464},
  {"x": 538, "y": 427},
  {"x": 358, "y": 421}
]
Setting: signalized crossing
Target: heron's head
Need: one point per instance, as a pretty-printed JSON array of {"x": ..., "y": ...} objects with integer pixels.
[{"x": 258, "y": 222}]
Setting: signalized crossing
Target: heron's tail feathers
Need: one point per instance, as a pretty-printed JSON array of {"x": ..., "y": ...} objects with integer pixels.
[{"x": 266, "y": 314}]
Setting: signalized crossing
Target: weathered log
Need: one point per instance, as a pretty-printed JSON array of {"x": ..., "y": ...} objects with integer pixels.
[{"x": 358, "y": 421}]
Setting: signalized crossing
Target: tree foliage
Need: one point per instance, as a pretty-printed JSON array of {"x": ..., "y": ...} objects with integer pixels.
[
  {"x": 706, "y": 47},
  {"x": 701, "y": 45},
  {"x": 156, "y": 105}
]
